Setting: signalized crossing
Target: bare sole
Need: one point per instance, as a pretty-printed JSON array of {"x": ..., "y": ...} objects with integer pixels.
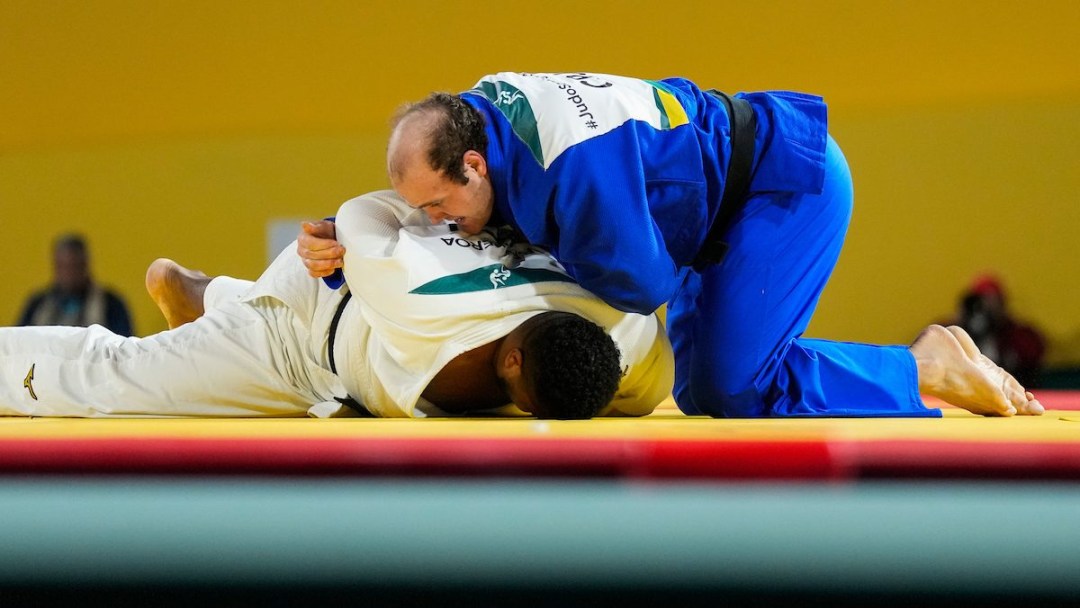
[{"x": 177, "y": 291}]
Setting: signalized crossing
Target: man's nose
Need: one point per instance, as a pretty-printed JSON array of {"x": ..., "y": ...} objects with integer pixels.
[{"x": 435, "y": 215}]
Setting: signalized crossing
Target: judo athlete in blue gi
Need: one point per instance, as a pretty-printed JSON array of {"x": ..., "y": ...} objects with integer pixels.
[{"x": 732, "y": 210}]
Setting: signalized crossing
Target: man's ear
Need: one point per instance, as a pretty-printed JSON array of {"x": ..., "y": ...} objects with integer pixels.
[
  {"x": 477, "y": 161},
  {"x": 511, "y": 364}
]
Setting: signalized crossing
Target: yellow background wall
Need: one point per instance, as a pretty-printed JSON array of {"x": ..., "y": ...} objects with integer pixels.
[{"x": 180, "y": 128}]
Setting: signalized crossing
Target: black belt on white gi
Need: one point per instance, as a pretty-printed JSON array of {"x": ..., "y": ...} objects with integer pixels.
[
  {"x": 347, "y": 400},
  {"x": 736, "y": 184}
]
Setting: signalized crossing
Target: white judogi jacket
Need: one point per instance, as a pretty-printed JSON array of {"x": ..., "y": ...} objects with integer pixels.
[{"x": 421, "y": 296}]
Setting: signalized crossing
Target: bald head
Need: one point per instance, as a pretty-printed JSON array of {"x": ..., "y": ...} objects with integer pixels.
[
  {"x": 436, "y": 162},
  {"x": 438, "y": 130},
  {"x": 410, "y": 143}
]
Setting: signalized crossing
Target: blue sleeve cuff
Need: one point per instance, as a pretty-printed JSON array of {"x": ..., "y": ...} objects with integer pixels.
[{"x": 336, "y": 280}]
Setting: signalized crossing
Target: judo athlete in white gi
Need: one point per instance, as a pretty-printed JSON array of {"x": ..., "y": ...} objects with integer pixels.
[{"x": 420, "y": 300}]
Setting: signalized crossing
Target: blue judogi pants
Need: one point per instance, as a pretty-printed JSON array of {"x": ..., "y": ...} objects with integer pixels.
[{"x": 736, "y": 327}]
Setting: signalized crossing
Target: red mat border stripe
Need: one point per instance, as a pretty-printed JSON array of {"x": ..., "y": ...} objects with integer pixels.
[{"x": 632, "y": 459}]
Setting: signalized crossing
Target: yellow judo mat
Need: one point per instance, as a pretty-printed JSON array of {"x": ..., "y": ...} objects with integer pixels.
[{"x": 665, "y": 444}]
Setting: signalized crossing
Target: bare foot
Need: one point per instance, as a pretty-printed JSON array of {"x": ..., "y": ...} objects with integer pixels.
[
  {"x": 177, "y": 291},
  {"x": 951, "y": 368}
]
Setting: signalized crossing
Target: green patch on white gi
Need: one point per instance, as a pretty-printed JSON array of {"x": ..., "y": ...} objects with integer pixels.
[{"x": 487, "y": 278}]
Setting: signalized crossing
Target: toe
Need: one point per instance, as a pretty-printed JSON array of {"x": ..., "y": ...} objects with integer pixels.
[
  {"x": 1032, "y": 407},
  {"x": 1013, "y": 389}
]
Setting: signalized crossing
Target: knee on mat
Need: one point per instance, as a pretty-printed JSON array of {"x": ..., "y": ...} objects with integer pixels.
[{"x": 747, "y": 403}]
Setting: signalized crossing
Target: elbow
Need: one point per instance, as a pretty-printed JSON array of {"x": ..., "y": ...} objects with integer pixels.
[
  {"x": 642, "y": 299},
  {"x": 634, "y": 289}
]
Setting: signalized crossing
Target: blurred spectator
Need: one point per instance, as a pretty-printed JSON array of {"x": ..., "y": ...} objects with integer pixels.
[
  {"x": 1009, "y": 342},
  {"x": 74, "y": 298}
]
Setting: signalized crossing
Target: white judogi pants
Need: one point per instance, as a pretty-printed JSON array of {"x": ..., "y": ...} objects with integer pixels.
[{"x": 249, "y": 358}]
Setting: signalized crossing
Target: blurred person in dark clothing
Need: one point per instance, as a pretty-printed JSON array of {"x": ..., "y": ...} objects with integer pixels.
[
  {"x": 74, "y": 299},
  {"x": 1007, "y": 341}
]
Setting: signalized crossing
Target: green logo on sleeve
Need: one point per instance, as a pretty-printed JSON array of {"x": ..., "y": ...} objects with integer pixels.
[{"x": 512, "y": 102}]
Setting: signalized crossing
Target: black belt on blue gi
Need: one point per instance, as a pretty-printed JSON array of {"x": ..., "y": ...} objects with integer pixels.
[
  {"x": 347, "y": 400},
  {"x": 736, "y": 183}
]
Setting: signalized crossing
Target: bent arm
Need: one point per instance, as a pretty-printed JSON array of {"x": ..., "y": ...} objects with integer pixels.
[
  {"x": 368, "y": 228},
  {"x": 606, "y": 236}
]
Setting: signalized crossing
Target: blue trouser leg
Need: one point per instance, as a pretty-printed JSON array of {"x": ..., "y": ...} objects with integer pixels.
[{"x": 736, "y": 327}]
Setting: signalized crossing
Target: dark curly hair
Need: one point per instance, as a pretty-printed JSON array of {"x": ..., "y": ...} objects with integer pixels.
[
  {"x": 571, "y": 366},
  {"x": 458, "y": 127}
]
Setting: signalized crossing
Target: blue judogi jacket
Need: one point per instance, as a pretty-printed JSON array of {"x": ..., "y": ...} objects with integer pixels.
[{"x": 621, "y": 178}]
